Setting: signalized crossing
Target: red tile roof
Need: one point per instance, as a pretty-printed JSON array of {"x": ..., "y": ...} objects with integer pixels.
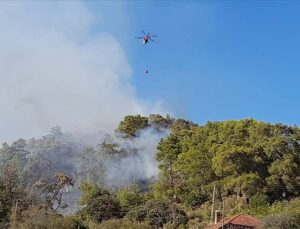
[{"x": 242, "y": 219}]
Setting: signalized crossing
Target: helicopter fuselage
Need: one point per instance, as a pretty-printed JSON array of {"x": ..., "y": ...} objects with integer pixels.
[{"x": 146, "y": 40}]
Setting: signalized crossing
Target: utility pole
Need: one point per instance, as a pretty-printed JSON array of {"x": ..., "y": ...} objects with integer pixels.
[{"x": 213, "y": 205}]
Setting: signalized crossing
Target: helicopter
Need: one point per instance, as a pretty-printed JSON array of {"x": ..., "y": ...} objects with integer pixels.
[{"x": 146, "y": 38}]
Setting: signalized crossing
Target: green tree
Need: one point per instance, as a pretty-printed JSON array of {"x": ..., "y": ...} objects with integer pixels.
[
  {"x": 131, "y": 124},
  {"x": 88, "y": 191},
  {"x": 258, "y": 200},
  {"x": 130, "y": 197},
  {"x": 15, "y": 153},
  {"x": 138, "y": 213},
  {"x": 194, "y": 165},
  {"x": 167, "y": 153},
  {"x": 160, "y": 213},
  {"x": 259, "y": 204},
  {"x": 99, "y": 203},
  {"x": 13, "y": 197},
  {"x": 159, "y": 121},
  {"x": 244, "y": 157},
  {"x": 283, "y": 176},
  {"x": 103, "y": 206}
]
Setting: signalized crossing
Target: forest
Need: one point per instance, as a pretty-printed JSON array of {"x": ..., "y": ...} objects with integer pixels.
[{"x": 152, "y": 172}]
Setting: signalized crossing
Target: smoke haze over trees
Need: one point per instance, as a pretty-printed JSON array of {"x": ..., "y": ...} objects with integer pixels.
[{"x": 153, "y": 166}]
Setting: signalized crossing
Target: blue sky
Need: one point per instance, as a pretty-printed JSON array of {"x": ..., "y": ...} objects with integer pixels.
[
  {"x": 214, "y": 60},
  {"x": 76, "y": 64}
]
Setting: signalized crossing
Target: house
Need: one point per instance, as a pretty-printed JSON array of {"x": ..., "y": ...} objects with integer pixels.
[{"x": 242, "y": 221}]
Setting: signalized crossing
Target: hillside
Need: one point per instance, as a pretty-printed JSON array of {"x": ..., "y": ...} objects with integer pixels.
[{"x": 152, "y": 171}]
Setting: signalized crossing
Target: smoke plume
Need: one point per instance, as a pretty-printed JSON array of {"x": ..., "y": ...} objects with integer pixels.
[{"x": 56, "y": 70}]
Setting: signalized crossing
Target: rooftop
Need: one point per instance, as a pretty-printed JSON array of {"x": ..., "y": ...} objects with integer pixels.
[{"x": 242, "y": 219}]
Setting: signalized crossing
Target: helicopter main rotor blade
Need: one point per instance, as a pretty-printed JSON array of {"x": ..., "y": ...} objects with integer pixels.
[
  {"x": 139, "y": 37},
  {"x": 143, "y": 32}
]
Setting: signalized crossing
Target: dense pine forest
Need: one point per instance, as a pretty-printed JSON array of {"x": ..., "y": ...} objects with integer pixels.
[{"x": 152, "y": 172}]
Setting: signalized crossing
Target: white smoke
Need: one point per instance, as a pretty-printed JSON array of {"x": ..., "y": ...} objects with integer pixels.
[
  {"x": 81, "y": 158},
  {"x": 53, "y": 71},
  {"x": 142, "y": 164}
]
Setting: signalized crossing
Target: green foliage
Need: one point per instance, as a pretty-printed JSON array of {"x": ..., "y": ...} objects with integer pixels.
[
  {"x": 246, "y": 184},
  {"x": 280, "y": 221},
  {"x": 88, "y": 191},
  {"x": 39, "y": 218},
  {"x": 168, "y": 151},
  {"x": 293, "y": 206},
  {"x": 131, "y": 124},
  {"x": 12, "y": 194},
  {"x": 194, "y": 199},
  {"x": 112, "y": 150},
  {"x": 258, "y": 200},
  {"x": 259, "y": 205},
  {"x": 159, "y": 122},
  {"x": 202, "y": 213},
  {"x": 160, "y": 213},
  {"x": 120, "y": 224},
  {"x": 130, "y": 197},
  {"x": 4, "y": 208},
  {"x": 138, "y": 213},
  {"x": 254, "y": 165},
  {"x": 284, "y": 173},
  {"x": 103, "y": 206},
  {"x": 181, "y": 218},
  {"x": 181, "y": 126},
  {"x": 263, "y": 209},
  {"x": 245, "y": 157},
  {"x": 14, "y": 153},
  {"x": 196, "y": 224}
]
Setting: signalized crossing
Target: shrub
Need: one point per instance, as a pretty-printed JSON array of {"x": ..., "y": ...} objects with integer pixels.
[
  {"x": 259, "y": 200},
  {"x": 119, "y": 224},
  {"x": 130, "y": 197},
  {"x": 103, "y": 206},
  {"x": 280, "y": 221},
  {"x": 194, "y": 199},
  {"x": 160, "y": 213},
  {"x": 138, "y": 213},
  {"x": 42, "y": 219}
]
